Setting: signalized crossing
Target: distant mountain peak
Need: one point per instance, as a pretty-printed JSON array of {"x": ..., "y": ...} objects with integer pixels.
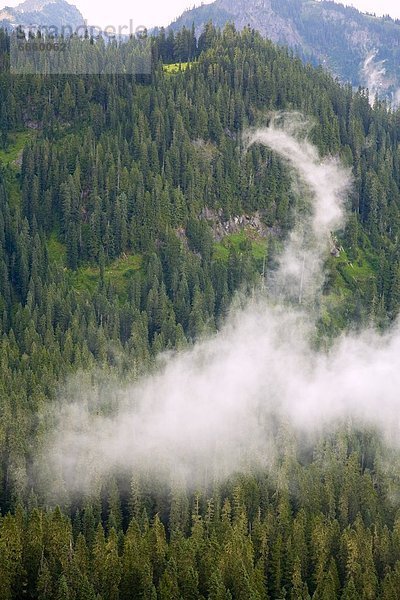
[
  {"x": 34, "y": 5},
  {"x": 42, "y": 13}
]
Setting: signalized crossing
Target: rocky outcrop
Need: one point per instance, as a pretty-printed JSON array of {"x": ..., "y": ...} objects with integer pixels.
[
  {"x": 260, "y": 15},
  {"x": 252, "y": 224}
]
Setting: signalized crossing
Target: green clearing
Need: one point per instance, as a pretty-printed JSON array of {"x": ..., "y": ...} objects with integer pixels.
[
  {"x": 57, "y": 251},
  {"x": 8, "y": 159},
  {"x": 117, "y": 273},
  {"x": 86, "y": 278},
  {"x": 174, "y": 68},
  {"x": 17, "y": 142},
  {"x": 241, "y": 242},
  {"x": 353, "y": 274},
  {"x": 344, "y": 279}
]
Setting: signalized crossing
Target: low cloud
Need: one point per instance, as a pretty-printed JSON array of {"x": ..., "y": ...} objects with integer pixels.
[{"x": 212, "y": 410}]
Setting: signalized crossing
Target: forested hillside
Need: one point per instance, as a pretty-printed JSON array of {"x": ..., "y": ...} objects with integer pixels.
[
  {"x": 338, "y": 37},
  {"x": 114, "y": 192}
]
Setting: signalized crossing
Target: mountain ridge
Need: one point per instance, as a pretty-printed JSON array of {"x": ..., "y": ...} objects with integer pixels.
[
  {"x": 357, "y": 47},
  {"x": 41, "y": 13}
]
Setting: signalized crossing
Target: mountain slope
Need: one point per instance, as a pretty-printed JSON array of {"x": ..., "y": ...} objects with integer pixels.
[
  {"x": 358, "y": 48},
  {"x": 44, "y": 13},
  {"x": 111, "y": 253}
]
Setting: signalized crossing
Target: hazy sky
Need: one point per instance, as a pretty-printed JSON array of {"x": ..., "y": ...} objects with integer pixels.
[
  {"x": 162, "y": 12},
  {"x": 380, "y": 7}
]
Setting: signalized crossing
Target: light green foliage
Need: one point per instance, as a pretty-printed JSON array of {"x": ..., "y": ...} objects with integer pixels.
[
  {"x": 16, "y": 144},
  {"x": 174, "y": 68},
  {"x": 241, "y": 243},
  {"x": 118, "y": 273}
]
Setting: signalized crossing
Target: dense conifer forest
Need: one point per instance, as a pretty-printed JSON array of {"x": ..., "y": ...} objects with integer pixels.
[{"x": 113, "y": 191}]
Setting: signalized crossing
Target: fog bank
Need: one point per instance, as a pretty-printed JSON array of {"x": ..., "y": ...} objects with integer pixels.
[{"x": 212, "y": 410}]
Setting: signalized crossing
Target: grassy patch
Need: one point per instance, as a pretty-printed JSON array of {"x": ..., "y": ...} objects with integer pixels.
[
  {"x": 9, "y": 161},
  {"x": 17, "y": 142},
  {"x": 241, "y": 242},
  {"x": 174, "y": 68},
  {"x": 57, "y": 251},
  {"x": 221, "y": 252},
  {"x": 117, "y": 273},
  {"x": 346, "y": 280},
  {"x": 353, "y": 274}
]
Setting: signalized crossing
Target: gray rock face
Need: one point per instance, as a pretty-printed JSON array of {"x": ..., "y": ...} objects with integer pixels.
[
  {"x": 42, "y": 13},
  {"x": 259, "y": 14}
]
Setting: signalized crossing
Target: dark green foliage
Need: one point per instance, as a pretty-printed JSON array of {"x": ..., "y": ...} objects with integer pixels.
[
  {"x": 108, "y": 257},
  {"x": 298, "y": 542}
]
